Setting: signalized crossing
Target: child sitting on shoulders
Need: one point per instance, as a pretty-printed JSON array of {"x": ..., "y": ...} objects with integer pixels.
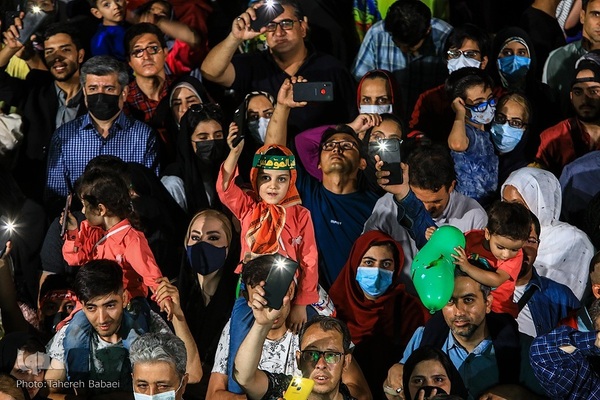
[{"x": 498, "y": 248}]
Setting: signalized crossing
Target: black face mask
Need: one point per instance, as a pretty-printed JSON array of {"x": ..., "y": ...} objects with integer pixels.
[
  {"x": 51, "y": 321},
  {"x": 211, "y": 151},
  {"x": 103, "y": 106},
  {"x": 206, "y": 258}
]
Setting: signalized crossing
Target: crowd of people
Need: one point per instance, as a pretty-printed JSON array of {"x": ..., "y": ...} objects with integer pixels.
[{"x": 160, "y": 168}]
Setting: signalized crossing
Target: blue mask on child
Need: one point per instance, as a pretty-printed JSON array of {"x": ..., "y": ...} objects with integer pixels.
[
  {"x": 506, "y": 137},
  {"x": 374, "y": 281},
  {"x": 513, "y": 69}
]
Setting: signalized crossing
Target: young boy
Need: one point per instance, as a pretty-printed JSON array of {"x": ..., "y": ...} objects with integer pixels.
[
  {"x": 498, "y": 248},
  {"x": 110, "y": 36},
  {"x": 476, "y": 164}
]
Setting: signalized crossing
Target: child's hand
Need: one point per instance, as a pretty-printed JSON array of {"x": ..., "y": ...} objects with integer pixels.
[
  {"x": 297, "y": 318},
  {"x": 430, "y": 231},
  {"x": 458, "y": 106},
  {"x": 71, "y": 221},
  {"x": 233, "y": 144},
  {"x": 167, "y": 297},
  {"x": 461, "y": 259}
]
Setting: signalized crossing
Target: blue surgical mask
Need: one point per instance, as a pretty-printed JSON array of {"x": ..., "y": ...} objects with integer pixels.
[
  {"x": 205, "y": 258},
  {"x": 258, "y": 129},
  {"x": 462, "y": 62},
  {"x": 375, "y": 108},
  {"x": 506, "y": 137},
  {"x": 374, "y": 281},
  {"x": 513, "y": 69}
]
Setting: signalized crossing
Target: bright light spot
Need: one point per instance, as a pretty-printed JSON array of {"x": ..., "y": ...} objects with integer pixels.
[
  {"x": 382, "y": 146},
  {"x": 36, "y": 9},
  {"x": 9, "y": 226},
  {"x": 280, "y": 263},
  {"x": 269, "y": 3}
]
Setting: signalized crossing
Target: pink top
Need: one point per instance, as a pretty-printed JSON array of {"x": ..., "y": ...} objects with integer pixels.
[
  {"x": 297, "y": 240},
  {"x": 121, "y": 243}
]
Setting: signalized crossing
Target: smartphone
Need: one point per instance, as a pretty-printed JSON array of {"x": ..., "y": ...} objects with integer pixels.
[
  {"x": 63, "y": 227},
  {"x": 239, "y": 118},
  {"x": 32, "y": 21},
  {"x": 389, "y": 152},
  {"x": 5, "y": 233},
  {"x": 265, "y": 14},
  {"x": 313, "y": 91},
  {"x": 299, "y": 389},
  {"x": 278, "y": 281}
]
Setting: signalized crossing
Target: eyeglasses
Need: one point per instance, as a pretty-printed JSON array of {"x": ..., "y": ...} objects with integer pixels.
[
  {"x": 514, "y": 122},
  {"x": 285, "y": 24},
  {"x": 313, "y": 356},
  {"x": 467, "y": 53},
  {"x": 482, "y": 106},
  {"x": 343, "y": 145},
  {"x": 151, "y": 50},
  {"x": 533, "y": 240}
]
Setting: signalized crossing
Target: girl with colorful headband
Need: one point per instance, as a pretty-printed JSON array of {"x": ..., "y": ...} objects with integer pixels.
[{"x": 272, "y": 219}]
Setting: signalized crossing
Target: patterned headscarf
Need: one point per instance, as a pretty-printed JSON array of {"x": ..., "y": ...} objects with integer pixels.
[{"x": 268, "y": 220}]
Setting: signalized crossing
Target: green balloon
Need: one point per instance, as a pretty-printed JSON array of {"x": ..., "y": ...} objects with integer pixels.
[{"x": 432, "y": 269}]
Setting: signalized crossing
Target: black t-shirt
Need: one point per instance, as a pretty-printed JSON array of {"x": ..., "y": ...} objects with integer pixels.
[{"x": 258, "y": 71}]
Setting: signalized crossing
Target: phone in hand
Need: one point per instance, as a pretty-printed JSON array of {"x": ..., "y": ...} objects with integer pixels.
[
  {"x": 389, "y": 152},
  {"x": 299, "y": 389},
  {"x": 265, "y": 14},
  {"x": 63, "y": 227},
  {"x": 278, "y": 281},
  {"x": 239, "y": 118},
  {"x": 6, "y": 229},
  {"x": 9, "y": 19},
  {"x": 313, "y": 91},
  {"x": 32, "y": 21}
]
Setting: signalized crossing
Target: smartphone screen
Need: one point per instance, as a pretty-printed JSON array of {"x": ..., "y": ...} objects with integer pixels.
[
  {"x": 389, "y": 151},
  {"x": 278, "y": 281}
]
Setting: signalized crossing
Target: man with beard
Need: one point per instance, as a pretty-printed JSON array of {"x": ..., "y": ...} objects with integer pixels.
[
  {"x": 576, "y": 136},
  {"x": 94, "y": 358},
  {"x": 46, "y": 99},
  {"x": 485, "y": 347},
  {"x": 104, "y": 129}
]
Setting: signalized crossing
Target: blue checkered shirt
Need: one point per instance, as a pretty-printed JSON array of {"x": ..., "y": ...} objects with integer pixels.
[
  {"x": 414, "y": 73},
  {"x": 564, "y": 375},
  {"x": 75, "y": 143}
]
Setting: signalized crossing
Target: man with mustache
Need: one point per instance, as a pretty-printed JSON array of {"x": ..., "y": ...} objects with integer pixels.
[
  {"x": 576, "y": 136},
  {"x": 46, "y": 99},
  {"x": 485, "y": 347}
]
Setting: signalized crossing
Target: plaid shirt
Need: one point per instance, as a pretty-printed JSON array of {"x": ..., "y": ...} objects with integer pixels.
[
  {"x": 75, "y": 143},
  {"x": 139, "y": 106},
  {"x": 563, "y": 375},
  {"x": 414, "y": 73}
]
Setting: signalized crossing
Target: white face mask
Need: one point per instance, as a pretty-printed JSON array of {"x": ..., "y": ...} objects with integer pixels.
[
  {"x": 375, "y": 108},
  {"x": 462, "y": 62}
]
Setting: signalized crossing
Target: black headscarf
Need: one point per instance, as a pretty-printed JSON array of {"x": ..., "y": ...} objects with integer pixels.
[{"x": 544, "y": 106}]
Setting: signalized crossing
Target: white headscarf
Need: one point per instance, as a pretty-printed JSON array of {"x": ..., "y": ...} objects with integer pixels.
[{"x": 565, "y": 251}]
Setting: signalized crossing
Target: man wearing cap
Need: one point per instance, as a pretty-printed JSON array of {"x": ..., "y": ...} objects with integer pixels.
[{"x": 576, "y": 136}]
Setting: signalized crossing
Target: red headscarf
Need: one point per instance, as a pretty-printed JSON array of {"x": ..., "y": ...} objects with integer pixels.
[
  {"x": 267, "y": 220},
  {"x": 374, "y": 317}
]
